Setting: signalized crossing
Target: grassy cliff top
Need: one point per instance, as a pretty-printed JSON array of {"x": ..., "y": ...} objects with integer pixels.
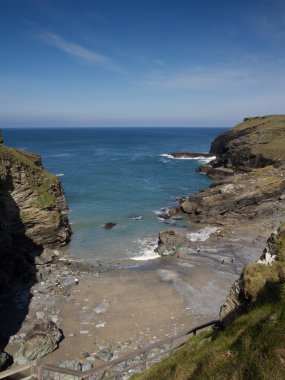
[
  {"x": 41, "y": 181},
  {"x": 263, "y": 135}
]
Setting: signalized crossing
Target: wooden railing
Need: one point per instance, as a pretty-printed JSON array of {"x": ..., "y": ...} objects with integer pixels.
[{"x": 53, "y": 372}]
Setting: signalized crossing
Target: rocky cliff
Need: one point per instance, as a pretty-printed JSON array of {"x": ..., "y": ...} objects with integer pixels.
[
  {"x": 249, "y": 173},
  {"x": 255, "y": 143},
  {"x": 32, "y": 212}
]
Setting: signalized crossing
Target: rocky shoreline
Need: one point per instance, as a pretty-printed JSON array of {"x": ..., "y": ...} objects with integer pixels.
[{"x": 117, "y": 309}]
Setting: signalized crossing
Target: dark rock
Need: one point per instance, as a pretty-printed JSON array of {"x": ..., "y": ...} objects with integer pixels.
[
  {"x": 5, "y": 360},
  {"x": 31, "y": 215},
  {"x": 244, "y": 147},
  {"x": 169, "y": 242},
  {"x": 109, "y": 225},
  {"x": 163, "y": 213}
]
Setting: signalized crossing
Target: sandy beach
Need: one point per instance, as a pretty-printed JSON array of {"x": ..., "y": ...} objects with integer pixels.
[{"x": 126, "y": 308}]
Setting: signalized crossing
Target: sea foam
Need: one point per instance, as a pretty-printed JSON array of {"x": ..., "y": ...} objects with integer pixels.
[
  {"x": 202, "y": 234},
  {"x": 200, "y": 158},
  {"x": 146, "y": 249}
]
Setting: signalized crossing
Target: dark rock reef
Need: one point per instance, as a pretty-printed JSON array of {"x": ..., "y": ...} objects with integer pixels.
[{"x": 32, "y": 213}]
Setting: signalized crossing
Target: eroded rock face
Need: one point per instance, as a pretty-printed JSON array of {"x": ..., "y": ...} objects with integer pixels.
[
  {"x": 255, "y": 143},
  {"x": 233, "y": 305},
  {"x": 32, "y": 211},
  {"x": 240, "y": 296},
  {"x": 249, "y": 195},
  {"x": 41, "y": 340}
]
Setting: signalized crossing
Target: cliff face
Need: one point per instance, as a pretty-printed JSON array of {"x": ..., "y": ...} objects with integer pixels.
[
  {"x": 255, "y": 143},
  {"x": 32, "y": 211},
  {"x": 249, "y": 170}
]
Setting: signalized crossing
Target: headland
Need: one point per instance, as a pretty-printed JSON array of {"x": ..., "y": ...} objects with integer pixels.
[{"x": 115, "y": 308}]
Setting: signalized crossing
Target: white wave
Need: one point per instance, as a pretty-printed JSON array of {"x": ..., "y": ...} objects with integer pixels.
[
  {"x": 200, "y": 158},
  {"x": 60, "y": 175},
  {"x": 163, "y": 212},
  {"x": 146, "y": 249},
  {"x": 202, "y": 234},
  {"x": 60, "y": 155}
]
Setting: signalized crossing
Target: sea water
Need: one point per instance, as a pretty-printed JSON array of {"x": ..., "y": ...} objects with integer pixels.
[{"x": 119, "y": 175}]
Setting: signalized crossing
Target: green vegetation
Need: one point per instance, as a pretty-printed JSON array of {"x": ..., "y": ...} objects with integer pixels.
[
  {"x": 252, "y": 347},
  {"x": 40, "y": 181},
  {"x": 266, "y": 134}
]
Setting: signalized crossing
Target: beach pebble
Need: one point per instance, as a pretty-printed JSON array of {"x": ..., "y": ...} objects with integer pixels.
[
  {"x": 86, "y": 367},
  {"x": 105, "y": 355},
  {"x": 84, "y": 354},
  {"x": 101, "y": 325},
  {"x": 91, "y": 358}
]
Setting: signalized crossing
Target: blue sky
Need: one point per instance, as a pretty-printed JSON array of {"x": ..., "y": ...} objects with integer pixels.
[{"x": 140, "y": 62}]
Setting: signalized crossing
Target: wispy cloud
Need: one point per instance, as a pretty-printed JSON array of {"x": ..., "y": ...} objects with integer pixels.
[
  {"x": 78, "y": 51},
  {"x": 200, "y": 78},
  {"x": 159, "y": 62}
]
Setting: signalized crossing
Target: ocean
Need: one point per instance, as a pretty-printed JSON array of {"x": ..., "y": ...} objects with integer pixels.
[{"x": 118, "y": 175}]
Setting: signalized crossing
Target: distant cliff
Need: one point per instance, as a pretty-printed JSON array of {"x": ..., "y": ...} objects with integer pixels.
[
  {"x": 32, "y": 212},
  {"x": 249, "y": 173},
  {"x": 255, "y": 143}
]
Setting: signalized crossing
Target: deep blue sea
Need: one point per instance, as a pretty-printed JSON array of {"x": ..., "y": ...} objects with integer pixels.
[{"x": 115, "y": 174}]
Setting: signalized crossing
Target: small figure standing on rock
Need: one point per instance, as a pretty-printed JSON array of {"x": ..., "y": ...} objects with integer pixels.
[
  {"x": 57, "y": 283},
  {"x": 223, "y": 261},
  {"x": 232, "y": 260},
  {"x": 198, "y": 250},
  {"x": 76, "y": 281}
]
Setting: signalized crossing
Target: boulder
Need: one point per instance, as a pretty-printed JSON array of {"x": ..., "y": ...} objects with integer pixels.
[
  {"x": 5, "y": 360},
  {"x": 106, "y": 355},
  {"x": 40, "y": 340},
  {"x": 109, "y": 225},
  {"x": 169, "y": 242}
]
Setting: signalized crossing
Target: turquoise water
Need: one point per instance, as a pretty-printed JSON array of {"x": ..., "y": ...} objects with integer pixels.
[{"x": 114, "y": 174}]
